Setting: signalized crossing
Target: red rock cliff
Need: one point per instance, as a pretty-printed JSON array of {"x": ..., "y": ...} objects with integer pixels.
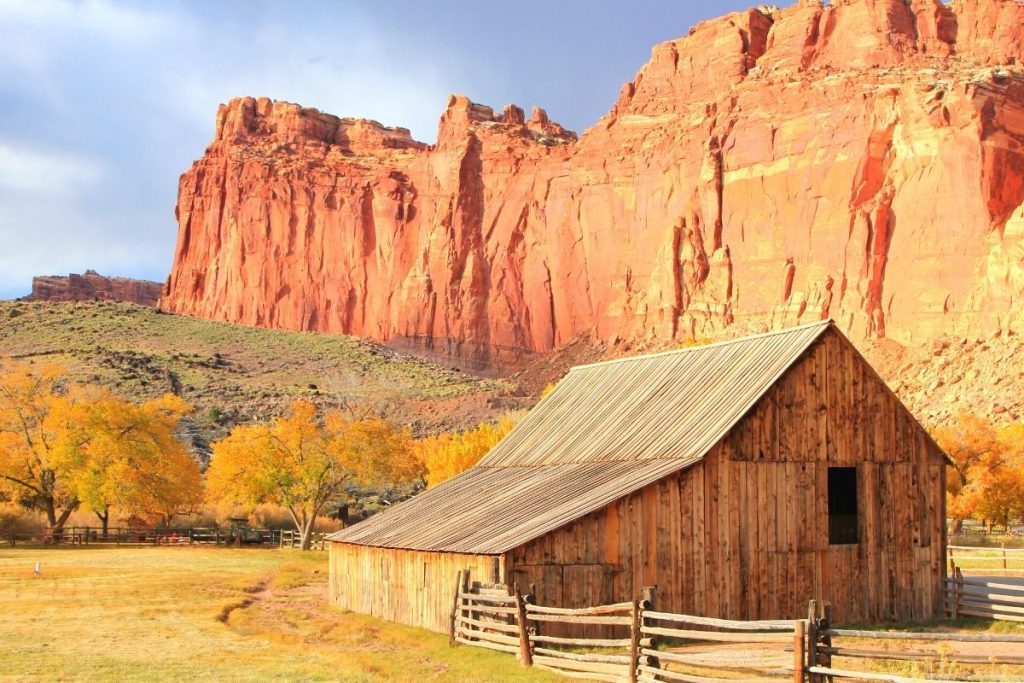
[
  {"x": 94, "y": 287},
  {"x": 863, "y": 161}
]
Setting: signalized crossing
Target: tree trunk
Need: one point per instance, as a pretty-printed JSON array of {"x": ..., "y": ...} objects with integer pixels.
[
  {"x": 51, "y": 512},
  {"x": 105, "y": 520},
  {"x": 307, "y": 533},
  {"x": 58, "y": 526}
]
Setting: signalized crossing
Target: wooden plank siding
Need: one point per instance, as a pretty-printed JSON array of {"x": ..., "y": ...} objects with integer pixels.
[
  {"x": 743, "y": 534},
  {"x": 409, "y": 587}
]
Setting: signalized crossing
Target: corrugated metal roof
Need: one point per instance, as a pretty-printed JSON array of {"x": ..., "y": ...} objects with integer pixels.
[
  {"x": 490, "y": 510},
  {"x": 668, "y": 405},
  {"x": 607, "y": 429}
]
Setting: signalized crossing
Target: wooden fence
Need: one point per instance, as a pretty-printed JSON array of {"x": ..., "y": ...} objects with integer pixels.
[
  {"x": 986, "y": 598},
  {"x": 503, "y": 618},
  {"x": 135, "y": 536},
  {"x": 869, "y": 649},
  {"x": 1002, "y": 560},
  {"x": 643, "y": 645}
]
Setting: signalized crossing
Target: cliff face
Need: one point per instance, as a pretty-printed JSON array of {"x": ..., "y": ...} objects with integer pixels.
[
  {"x": 95, "y": 287},
  {"x": 863, "y": 161}
]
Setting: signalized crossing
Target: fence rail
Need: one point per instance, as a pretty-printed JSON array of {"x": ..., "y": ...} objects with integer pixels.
[
  {"x": 137, "y": 536},
  {"x": 616, "y": 642},
  {"x": 983, "y": 597},
  {"x": 640, "y": 644},
  {"x": 915, "y": 647},
  {"x": 987, "y": 558}
]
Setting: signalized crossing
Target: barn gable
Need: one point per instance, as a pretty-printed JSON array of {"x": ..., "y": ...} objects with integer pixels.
[{"x": 607, "y": 430}]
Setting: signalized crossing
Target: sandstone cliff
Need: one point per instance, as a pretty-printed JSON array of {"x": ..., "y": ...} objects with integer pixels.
[
  {"x": 92, "y": 286},
  {"x": 863, "y": 161}
]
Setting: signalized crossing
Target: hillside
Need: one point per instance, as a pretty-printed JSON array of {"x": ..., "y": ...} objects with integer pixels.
[{"x": 233, "y": 373}]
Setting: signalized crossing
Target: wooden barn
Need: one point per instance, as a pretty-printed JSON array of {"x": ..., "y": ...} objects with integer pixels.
[{"x": 741, "y": 478}]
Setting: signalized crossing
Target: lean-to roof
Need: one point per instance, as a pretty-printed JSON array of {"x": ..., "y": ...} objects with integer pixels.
[{"x": 607, "y": 430}]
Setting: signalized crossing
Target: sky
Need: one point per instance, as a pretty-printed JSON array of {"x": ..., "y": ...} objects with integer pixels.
[{"x": 103, "y": 103}]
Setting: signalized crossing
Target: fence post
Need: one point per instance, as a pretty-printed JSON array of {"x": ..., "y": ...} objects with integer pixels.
[
  {"x": 525, "y": 654},
  {"x": 957, "y": 591},
  {"x": 951, "y": 591},
  {"x": 798, "y": 652},
  {"x": 812, "y": 639},
  {"x": 1003, "y": 546},
  {"x": 455, "y": 610},
  {"x": 650, "y": 594},
  {"x": 826, "y": 640},
  {"x": 634, "y": 641}
]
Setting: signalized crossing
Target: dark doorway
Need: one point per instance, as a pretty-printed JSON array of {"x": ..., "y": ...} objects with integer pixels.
[{"x": 842, "y": 506}]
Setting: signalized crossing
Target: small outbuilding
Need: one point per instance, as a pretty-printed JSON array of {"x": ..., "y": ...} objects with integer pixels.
[{"x": 741, "y": 478}]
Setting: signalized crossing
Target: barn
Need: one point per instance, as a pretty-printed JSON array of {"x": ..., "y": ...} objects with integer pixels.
[{"x": 742, "y": 479}]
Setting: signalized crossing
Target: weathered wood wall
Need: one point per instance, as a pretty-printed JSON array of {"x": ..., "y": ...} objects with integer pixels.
[
  {"x": 409, "y": 587},
  {"x": 744, "y": 533}
]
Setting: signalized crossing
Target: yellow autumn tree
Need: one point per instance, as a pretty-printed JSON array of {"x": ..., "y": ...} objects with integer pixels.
[
  {"x": 446, "y": 455},
  {"x": 31, "y": 418},
  {"x": 303, "y": 462},
  {"x": 133, "y": 461},
  {"x": 62, "y": 446}
]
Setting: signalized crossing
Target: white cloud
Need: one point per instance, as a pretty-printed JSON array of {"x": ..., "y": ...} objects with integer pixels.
[
  {"x": 24, "y": 170},
  {"x": 101, "y": 18},
  {"x": 352, "y": 72}
]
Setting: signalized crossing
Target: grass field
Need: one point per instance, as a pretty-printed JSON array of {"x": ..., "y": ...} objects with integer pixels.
[{"x": 214, "y": 614}]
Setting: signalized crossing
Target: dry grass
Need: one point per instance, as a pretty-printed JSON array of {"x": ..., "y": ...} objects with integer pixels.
[{"x": 208, "y": 614}]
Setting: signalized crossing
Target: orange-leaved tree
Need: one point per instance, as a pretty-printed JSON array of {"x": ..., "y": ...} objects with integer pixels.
[
  {"x": 448, "y": 454},
  {"x": 304, "y": 462},
  {"x": 987, "y": 477}
]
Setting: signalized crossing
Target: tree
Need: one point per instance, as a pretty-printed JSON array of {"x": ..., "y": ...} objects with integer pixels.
[
  {"x": 967, "y": 441},
  {"x": 32, "y": 419},
  {"x": 987, "y": 481},
  {"x": 133, "y": 462},
  {"x": 303, "y": 463},
  {"x": 448, "y": 454},
  {"x": 62, "y": 447}
]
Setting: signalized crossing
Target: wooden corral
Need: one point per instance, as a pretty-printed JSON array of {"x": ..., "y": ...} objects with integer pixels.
[{"x": 742, "y": 479}]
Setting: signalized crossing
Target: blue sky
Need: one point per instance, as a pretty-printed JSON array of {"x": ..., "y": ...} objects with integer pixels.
[{"x": 103, "y": 104}]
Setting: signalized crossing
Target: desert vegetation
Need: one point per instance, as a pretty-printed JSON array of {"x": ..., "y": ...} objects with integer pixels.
[{"x": 234, "y": 374}]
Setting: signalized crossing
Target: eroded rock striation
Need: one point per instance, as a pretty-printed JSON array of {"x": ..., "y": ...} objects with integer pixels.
[
  {"x": 91, "y": 286},
  {"x": 863, "y": 160}
]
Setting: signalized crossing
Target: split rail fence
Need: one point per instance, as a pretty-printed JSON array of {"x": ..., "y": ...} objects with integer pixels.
[
  {"x": 616, "y": 642},
  {"x": 987, "y": 598},
  {"x": 1002, "y": 560},
  {"x": 632, "y": 642}
]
